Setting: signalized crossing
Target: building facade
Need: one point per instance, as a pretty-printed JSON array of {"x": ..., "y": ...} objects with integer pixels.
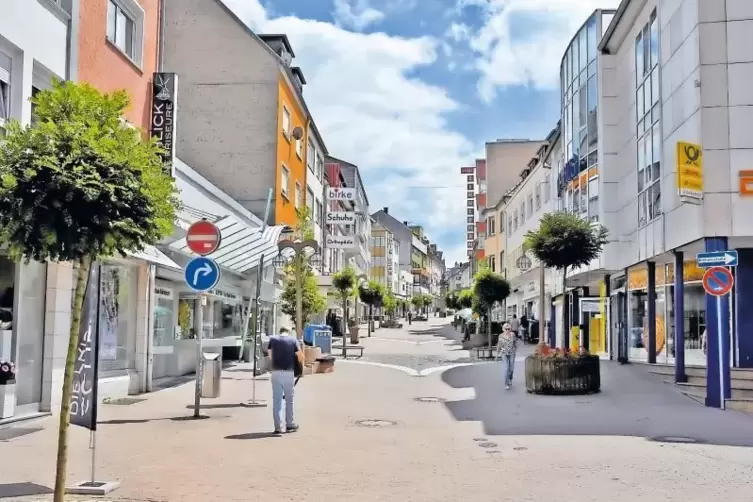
[
  {"x": 385, "y": 258},
  {"x": 246, "y": 127}
]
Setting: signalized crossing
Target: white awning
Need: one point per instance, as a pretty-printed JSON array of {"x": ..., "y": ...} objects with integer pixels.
[
  {"x": 241, "y": 247},
  {"x": 154, "y": 255}
]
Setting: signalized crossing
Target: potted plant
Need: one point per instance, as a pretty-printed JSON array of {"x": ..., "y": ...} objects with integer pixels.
[
  {"x": 7, "y": 388},
  {"x": 562, "y": 371}
]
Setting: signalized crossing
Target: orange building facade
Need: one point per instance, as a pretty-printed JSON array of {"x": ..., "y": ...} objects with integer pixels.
[
  {"x": 118, "y": 46},
  {"x": 291, "y": 153}
]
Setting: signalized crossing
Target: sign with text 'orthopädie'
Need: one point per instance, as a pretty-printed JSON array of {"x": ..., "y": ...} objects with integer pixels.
[
  {"x": 689, "y": 170},
  {"x": 340, "y": 241}
]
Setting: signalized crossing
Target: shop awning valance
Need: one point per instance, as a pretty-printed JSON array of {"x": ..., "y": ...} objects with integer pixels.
[
  {"x": 154, "y": 255},
  {"x": 242, "y": 246}
]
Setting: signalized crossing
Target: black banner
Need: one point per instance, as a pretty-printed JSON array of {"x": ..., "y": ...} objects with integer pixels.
[
  {"x": 84, "y": 397},
  {"x": 162, "y": 120}
]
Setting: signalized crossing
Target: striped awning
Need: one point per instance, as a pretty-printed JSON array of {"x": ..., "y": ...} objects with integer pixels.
[{"x": 242, "y": 246}]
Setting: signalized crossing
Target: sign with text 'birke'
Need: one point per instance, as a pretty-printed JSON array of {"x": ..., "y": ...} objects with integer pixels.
[{"x": 85, "y": 367}]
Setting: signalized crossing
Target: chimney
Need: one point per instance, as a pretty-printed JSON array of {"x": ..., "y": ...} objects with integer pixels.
[
  {"x": 405, "y": 223},
  {"x": 386, "y": 210}
]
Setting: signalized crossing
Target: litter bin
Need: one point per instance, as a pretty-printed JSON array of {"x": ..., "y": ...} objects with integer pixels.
[{"x": 212, "y": 375}]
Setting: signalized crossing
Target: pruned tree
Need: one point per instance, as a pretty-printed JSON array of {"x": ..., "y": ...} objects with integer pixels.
[
  {"x": 490, "y": 288},
  {"x": 465, "y": 298},
  {"x": 565, "y": 240},
  {"x": 344, "y": 285},
  {"x": 372, "y": 294},
  {"x": 79, "y": 185}
]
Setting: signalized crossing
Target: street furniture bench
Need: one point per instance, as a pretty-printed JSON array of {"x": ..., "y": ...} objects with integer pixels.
[
  {"x": 483, "y": 352},
  {"x": 349, "y": 349}
]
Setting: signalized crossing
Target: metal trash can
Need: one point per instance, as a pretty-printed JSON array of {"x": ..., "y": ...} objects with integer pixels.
[{"x": 211, "y": 374}]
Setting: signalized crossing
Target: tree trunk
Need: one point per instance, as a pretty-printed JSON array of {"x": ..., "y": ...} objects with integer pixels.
[
  {"x": 565, "y": 327},
  {"x": 489, "y": 325},
  {"x": 84, "y": 265},
  {"x": 371, "y": 320}
]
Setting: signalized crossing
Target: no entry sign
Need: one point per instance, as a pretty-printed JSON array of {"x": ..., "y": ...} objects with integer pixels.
[
  {"x": 203, "y": 237},
  {"x": 718, "y": 281}
]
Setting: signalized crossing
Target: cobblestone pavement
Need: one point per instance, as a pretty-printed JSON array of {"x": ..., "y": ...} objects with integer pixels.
[{"x": 373, "y": 434}]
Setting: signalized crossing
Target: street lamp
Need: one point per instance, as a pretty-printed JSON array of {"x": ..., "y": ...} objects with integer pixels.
[{"x": 302, "y": 252}]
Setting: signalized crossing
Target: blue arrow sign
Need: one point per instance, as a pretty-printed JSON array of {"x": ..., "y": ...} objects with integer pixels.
[
  {"x": 716, "y": 259},
  {"x": 202, "y": 274}
]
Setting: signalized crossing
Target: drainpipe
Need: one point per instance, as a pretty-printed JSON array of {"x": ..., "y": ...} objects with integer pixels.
[{"x": 161, "y": 36}]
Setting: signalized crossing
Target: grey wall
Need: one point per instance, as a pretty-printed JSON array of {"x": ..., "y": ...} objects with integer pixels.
[{"x": 227, "y": 99}]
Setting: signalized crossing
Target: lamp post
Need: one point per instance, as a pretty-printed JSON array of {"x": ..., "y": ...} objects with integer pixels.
[{"x": 299, "y": 259}]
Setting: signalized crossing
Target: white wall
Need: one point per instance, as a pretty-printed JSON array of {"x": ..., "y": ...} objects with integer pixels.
[
  {"x": 314, "y": 182},
  {"x": 35, "y": 40}
]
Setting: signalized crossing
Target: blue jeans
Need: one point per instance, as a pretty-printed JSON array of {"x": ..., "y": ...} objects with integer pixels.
[
  {"x": 509, "y": 360},
  {"x": 283, "y": 384}
]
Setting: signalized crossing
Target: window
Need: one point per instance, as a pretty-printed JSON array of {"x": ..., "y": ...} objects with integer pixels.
[
  {"x": 311, "y": 156},
  {"x": 318, "y": 215},
  {"x": 117, "y": 317},
  {"x": 530, "y": 205},
  {"x": 491, "y": 223},
  {"x": 537, "y": 195},
  {"x": 124, "y": 26},
  {"x": 34, "y": 92},
  {"x": 648, "y": 113},
  {"x": 492, "y": 263},
  {"x": 299, "y": 148},
  {"x": 298, "y": 195},
  {"x": 285, "y": 181},
  {"x": 547, "y": 187},
  {"x": 515, "y": 221},
  {"x": 319, "y": 167},
  {"x": 509, "y": 224},
  {"x": 522, "y": 213},
  {"x": 310, "y": 199},
  {"x": 286, "y": 121},
  {"x": 4, "y": 90}
]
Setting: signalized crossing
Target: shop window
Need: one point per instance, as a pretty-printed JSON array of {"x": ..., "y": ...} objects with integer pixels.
[
  {"x": 164, "y": 316},
  {"x": 117, "y": 316}
]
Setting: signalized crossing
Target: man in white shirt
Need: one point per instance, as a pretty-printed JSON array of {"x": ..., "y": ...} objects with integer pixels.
[{"x": 515, "y": 325}]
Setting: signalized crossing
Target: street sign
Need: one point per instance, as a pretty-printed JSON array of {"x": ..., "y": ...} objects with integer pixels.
[
  {"x": 203, "y": 237},
  {"x": 716, "y": 259},
  {"x": 202, "y": 274},
  {"x": 718, "y": 281}
]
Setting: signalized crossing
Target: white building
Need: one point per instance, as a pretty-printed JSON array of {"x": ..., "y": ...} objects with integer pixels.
[
  {"x": 405, "y": 283},
  {"x": 315, "y": 182},
  {"x": 459, "y": 276},
  {"x": 520, "y": 212}
]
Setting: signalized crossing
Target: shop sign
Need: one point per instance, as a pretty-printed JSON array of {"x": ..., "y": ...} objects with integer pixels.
[
  {"x": 746, "y": 183},
  {"x": 83, "y": 406},
  {"x": 162, "y": 122},
  {"x": 223, "y": 294},
  {"x": 467, "y": 170},
  {"x": 689, "y": 170},
  {"x": 342, "y": 194},
  {"x": 165, "y": 293},
  {"x": 341, "y": 217},
  {"x": 341, "y": 241}
]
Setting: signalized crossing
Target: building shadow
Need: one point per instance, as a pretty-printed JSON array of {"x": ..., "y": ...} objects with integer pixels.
[
  {"x": 8, "y": 490},
  {"x": 632, "y": 403}
]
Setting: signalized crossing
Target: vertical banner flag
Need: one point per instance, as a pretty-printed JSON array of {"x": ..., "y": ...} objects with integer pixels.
[{"x": 84, "y": 397}]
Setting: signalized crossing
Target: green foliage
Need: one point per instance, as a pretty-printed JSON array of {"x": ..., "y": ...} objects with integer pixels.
[
  {"x": 452, "y": 301},
  {"x": 390, "y": 304},
  {"x": 372, "y": 293},
  {"x": 490, "y": 288},
  {"x": 344, "y": 283},
  {"x": 79, "y": 183},
  {"x": 422, "y": 300},
  {"x": 465, "y": 298},
  {"x": 312, "y": 303},
  {"x": 566, "y": 240}
]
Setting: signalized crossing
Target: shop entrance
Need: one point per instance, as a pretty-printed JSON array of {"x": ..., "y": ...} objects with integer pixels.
[{"x": 593, "y": 313}]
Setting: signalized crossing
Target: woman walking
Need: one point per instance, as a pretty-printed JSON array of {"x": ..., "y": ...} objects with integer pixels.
[{"x": 506, "y": 347}]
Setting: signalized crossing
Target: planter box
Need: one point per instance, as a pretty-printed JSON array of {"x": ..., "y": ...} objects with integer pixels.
[
  {"x": 562, "y": 376},
  {"x": 7, "y": 399}
]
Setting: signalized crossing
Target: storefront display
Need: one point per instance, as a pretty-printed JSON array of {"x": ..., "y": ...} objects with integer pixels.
[{"x": 117, "y": 316}]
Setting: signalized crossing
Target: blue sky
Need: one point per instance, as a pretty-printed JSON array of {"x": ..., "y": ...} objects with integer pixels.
[{"x": 410, "y": 90}]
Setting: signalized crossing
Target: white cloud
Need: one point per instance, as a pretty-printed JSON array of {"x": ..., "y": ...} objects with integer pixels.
[
  {"x": 504, "y": 60},
  {"x": 370, "y": 112},
  {"x": 356, "y": 14}
]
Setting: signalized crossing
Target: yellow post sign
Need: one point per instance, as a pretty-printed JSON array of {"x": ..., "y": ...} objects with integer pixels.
[{"x": 689, "y": 170}]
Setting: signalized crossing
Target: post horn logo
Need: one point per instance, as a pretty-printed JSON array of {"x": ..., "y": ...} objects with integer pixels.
[{"x": 692, "y": 154}]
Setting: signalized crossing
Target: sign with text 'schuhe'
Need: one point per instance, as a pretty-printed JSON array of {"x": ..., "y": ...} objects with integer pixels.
[
  {"x": 83, "y": 409},
  {"x": 162, "y": 122}
]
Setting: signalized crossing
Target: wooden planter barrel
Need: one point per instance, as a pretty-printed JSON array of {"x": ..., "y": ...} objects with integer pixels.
[{"x": 563, "y": 376}]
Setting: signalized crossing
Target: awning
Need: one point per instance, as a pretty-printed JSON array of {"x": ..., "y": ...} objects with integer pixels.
[
  {"x": 154, "y": 255},
  {"x": 242, "y": 246}
]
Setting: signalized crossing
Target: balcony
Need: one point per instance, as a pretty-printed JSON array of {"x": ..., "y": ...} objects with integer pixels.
[{"x": 424, "y": 272}]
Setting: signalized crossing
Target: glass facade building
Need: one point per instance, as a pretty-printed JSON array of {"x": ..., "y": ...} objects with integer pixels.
[{"x": 578, "y": 178}]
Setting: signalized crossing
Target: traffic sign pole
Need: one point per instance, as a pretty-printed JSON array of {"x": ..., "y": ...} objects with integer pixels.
[
  {"x": 718, "y": 282},
  {"x": 720, "y": 351},
  {"x": 199, "y": 365}
]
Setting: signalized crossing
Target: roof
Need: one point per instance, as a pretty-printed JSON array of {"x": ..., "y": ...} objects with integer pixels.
[
  {"x": 609, "y": 33},
  {"x": 281, "y": 37}
]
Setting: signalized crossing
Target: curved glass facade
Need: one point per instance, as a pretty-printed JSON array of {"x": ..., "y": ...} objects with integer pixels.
[{"x": 577, "y": 184}]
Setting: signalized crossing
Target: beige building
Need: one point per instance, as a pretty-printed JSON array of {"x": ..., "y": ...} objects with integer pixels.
[{"x": 504, "y": 160}]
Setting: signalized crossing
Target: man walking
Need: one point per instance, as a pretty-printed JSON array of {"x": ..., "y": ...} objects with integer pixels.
[
  {"x": 515, "y": 325},
  {"x": 284, "y": 351}
]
